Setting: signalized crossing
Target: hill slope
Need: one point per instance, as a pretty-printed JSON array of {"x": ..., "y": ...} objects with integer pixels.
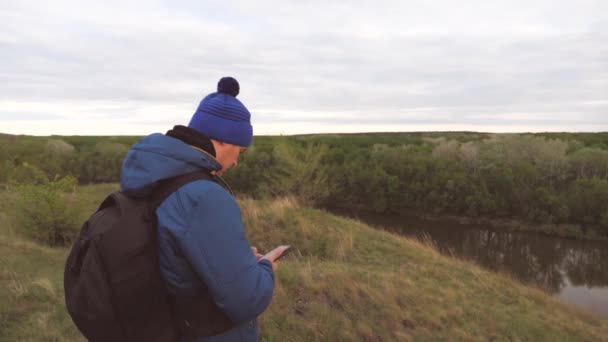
[{"x": 347, "y": 281}]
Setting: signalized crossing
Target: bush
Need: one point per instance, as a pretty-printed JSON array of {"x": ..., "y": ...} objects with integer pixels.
[
  {"x": 588, "y": 200},
  {"x": 604, "y": 223},
  {"x": 44, "y": 213},
  {"x": 26, "y": 173},
  {"x": 301, "y": 172}
]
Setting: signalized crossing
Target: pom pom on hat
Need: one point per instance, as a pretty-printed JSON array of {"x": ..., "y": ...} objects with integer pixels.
[
  {"x": 221, "y": 116},
  {"x": 228, "y": 85}
]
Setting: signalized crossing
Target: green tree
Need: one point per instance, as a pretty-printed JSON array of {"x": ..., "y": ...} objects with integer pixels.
[
  {"x": 57, "y": 155},
  {"x": 589, "y": 163},
  {"x": 588, "y": 200},
  {"x": 301, "y": 172},
  {"x": 45, "y": 215},
  {"x": 546, "y": 206},
  {"x": 26, "y": 173},
  {"x": 102, "y": 163}
]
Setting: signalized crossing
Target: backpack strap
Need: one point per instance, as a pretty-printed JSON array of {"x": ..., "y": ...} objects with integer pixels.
[{"x": 168, "y": 186}]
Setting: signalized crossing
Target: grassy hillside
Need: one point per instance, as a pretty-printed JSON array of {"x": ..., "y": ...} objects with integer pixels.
[{"x": 346, "y": 282}]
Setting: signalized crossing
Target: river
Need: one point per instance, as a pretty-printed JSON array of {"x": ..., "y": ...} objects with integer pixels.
[{"x": 573, "y": 271}]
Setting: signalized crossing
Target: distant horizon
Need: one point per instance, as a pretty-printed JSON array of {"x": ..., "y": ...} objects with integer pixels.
[
  {"x": 98, "y": 126},
  {"x": 316, "y": 133}
]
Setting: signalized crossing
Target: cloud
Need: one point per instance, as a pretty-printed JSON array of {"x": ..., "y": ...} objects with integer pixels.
[{"x": 514, "y": 63}]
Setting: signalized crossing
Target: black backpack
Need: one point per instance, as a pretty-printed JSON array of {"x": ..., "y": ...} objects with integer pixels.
[{"x": 113, "y": 287}]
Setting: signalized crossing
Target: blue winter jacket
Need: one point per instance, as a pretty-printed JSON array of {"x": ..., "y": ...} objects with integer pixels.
[{"x": 201, "y": 234}]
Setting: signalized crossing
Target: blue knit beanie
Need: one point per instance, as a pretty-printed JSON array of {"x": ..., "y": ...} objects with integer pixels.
[{"x": 222, "y": 117}]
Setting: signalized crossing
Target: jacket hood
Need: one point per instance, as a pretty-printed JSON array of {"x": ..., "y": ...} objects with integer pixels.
[{"x": 157, "y": 157}]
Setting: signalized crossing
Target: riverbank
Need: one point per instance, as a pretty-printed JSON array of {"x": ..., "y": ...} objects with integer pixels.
[
  {"x": 346, "y": 282},
  {"x": 564, "y": 230}
]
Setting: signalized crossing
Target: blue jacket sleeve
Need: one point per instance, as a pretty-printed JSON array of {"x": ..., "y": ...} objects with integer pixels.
[{"x": 214, "y": 243}]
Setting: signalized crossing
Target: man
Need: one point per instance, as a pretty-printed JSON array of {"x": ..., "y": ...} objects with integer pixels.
[{"x": 203, "y": 248}]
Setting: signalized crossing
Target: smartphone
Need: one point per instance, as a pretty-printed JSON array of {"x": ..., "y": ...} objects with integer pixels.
[{"x": 278, "y": 252}]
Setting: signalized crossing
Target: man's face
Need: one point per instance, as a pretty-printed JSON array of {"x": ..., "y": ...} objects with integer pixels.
[{"x": 228, "y": 155}]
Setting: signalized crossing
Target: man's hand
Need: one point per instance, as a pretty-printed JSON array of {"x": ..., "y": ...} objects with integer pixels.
[
  {"x": 255, "y": 252},
  {"x": 258, "y": 257}
]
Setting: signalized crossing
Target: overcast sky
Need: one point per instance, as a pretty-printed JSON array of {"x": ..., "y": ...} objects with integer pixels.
[{"x": 137, "y": 67}]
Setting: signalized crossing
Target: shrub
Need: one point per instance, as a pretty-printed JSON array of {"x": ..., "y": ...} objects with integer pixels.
[
  {"x": 588, "y": 200},
  {"x": 301, "y": 172},
  {"x": 604, "y": 223},
  {"x": 26, "y": 173},
  {"x": 44, "y": 213}
]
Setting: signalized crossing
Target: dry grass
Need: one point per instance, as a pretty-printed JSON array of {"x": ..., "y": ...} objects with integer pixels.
[{"x": 31, "y": 294}]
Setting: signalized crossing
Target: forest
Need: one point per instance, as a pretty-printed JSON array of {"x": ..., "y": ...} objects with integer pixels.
[{"x": 557, "y": 180}]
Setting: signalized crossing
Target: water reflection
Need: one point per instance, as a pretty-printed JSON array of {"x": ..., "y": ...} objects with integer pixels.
[
  {"x": 532, "y": 258},
  {"x": 574, "y": 271}
]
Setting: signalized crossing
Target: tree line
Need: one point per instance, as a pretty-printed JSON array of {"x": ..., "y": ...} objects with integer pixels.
[{"x": 549, "y": 178}]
